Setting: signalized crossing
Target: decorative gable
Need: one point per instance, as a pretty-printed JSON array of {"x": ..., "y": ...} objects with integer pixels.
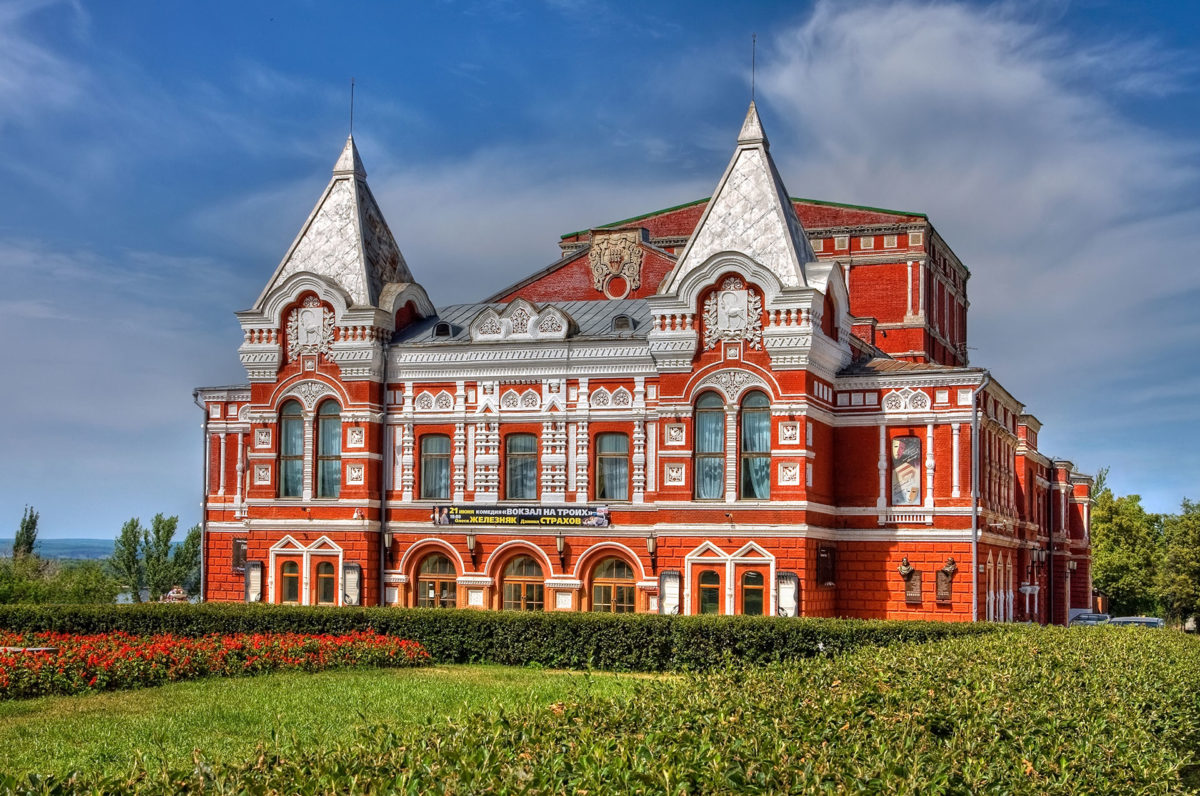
[{"x": 520, "y": 320}]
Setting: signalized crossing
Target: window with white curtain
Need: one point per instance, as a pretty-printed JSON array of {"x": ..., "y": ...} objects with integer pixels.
[
  {"x": 710, "y": 447},
  {"x": 520, "y": 467},
  {"x": 435, "y": 466},
  {"x": 755, "y": 480},
  {"x": 291, "y": 450},
  {"x": 612, "y": 466},
  {"x": 329, "y": 450}
]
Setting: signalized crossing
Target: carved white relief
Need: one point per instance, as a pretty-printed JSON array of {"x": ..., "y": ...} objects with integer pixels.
[
  {"x": 355, "y": 474},
  {"x": 733, "y": 313},
  {"x": 444, "y": 401},
  {"x": 310, "y": 391},
  {"x": 530, "y": 400},
  {"x": 550, "y": 324},
  {"x": 424, "y": 401},
  {"x": 356, "y": 437},
  {"x": 601, "y": 398},
  {"x": 613, "y": 255},
  {"x": 622, "y": 398},
  {"x": 674, "y": 433},
  {"x": 905, "y": 399},
  {"x": 733, "y": 381},
  {"x": 520, "y": 321},
  {"x": 510, "y": 399},
  {"x": 789, "y": 474},
  {"x": 673, "y": 475},
  {"x": 309, "y": 329},
  {"x": 262, "y": 438},
  {"x": 262, "y": 473},
  {"x": 789, "y": 433},
  {"x": 489, "y": 327}
]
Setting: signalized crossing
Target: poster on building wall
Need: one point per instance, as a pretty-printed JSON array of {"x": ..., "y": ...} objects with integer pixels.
[
  {"x": 906, "y": 471},
  {"x": 577, "y": 516}
]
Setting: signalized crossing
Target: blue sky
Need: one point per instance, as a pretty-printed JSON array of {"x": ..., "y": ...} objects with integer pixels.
[{"x": 156, "y": 159}]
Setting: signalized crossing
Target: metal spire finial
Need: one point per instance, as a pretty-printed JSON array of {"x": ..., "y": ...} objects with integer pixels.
[
  {"x": 753, "y": 60},
  {"x": 351, "y": 106}
]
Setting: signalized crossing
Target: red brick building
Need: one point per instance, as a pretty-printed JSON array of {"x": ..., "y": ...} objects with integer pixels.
[{"x": 747, "y": 404}]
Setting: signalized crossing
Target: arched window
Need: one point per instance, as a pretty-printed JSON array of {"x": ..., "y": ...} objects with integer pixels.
[
  {"x": 520, "y": 467},
  {"x": 755, "y": 480},
  {"x": 291, "y": 450},
  {"x": 291, "y": 582},
  {"x": 523, "y": 585},
  {"x": 329, "y": 450},
  {"x": 435, "y": 467},
  {"x": 710, "y": 592},
  {"x": 612, "y": 466},
  {"x": 326, "y": 584},
  {"x": 752, "y": 593},
  {"x": 710, "y": 447},
  {"x": 437, "y": 583},
  {"x": 613, "y": 587}
]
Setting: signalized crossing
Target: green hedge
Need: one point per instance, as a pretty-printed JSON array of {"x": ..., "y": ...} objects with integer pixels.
[{"x": 559, "y": 640}]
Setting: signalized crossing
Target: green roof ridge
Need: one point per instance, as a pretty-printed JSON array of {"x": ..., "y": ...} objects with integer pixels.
[{"x": 821, "y": 202}]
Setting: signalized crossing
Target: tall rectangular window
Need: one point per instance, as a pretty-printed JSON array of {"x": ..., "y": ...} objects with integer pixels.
[
  {"x": 710, "y": 447},
  {"x": 612, "y": 466},
  {"x": 755, "y": 482},
  {"x": 435, "y": 467},
  {"x": 520, "y": 467},
  {"x": 291, "y": 450},
  {"x": 329, "y": 450}
]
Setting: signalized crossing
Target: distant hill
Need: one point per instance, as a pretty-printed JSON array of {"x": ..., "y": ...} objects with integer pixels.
[{"x": 64, "y": 548}]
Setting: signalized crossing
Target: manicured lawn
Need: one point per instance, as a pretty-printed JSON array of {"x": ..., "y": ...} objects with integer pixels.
[{"x": 227, "y": 718}]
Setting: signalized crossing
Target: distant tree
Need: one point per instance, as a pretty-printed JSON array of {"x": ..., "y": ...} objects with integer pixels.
[
  {"x": 185, "y": 562},
  {"x": 1126, "y": 549},
  {"x": 26, "y": 534},
  {"x": 126, "y": 560},
  {"x": 156, "y": 555},
  {"x": 22, "y": 580},
  {"x": 1179, "y": 578}
]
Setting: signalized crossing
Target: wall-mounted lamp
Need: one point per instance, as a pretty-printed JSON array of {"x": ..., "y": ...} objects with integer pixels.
[
  {"x": 561, "y": 543},
  {"x": 471, "y": 547},
  {"x": 1072, "y": 565},
  {"x": 652, "y": 549},
  {"x": 387, "y": 541}
]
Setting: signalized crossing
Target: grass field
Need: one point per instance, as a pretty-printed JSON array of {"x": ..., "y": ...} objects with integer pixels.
[{"x": 227, "y": 718}]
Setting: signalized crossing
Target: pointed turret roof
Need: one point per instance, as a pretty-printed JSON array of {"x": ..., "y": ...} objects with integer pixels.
[
  {"x": 749, "y": 213},
  {"x": 345, "y": 238}
]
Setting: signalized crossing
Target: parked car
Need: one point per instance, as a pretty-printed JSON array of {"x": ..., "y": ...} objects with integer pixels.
[
  {"x": 1139, "y": 621},
  {"x": 1089, "y": 619}
]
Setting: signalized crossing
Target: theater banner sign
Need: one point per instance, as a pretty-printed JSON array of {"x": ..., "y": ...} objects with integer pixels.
[{"x": 571, "y": 516}]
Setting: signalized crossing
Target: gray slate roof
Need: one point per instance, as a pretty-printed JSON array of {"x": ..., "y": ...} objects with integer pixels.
[{"x": 593, "y": 320}]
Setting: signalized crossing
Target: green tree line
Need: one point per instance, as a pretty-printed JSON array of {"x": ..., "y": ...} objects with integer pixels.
[
  {"x": 1146, "y": 563},
  {"x": 143, "y": 558}
]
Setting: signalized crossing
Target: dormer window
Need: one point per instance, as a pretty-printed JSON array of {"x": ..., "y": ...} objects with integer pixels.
[
  {"x": 622, "y": 323},
  {"x": 442, "y": 329}
]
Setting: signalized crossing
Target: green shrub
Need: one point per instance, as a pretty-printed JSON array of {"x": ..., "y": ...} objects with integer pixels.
[
  {"x": 1021, "y": 711},
  {"x": 561, "y": 640}
]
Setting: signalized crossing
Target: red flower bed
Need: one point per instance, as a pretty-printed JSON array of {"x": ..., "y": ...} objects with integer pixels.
[{"x": 112, "y": 661}]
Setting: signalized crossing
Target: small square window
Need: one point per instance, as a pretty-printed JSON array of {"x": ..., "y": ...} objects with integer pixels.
[
  {"x": 916, "y": 238},
  {"x": 808, "y": 474},
  {"x": 214, "y": 411},
  {"x": 889, "y": 241},
  {"x": 818, "y": 244},
  {"x": 942, "y": 396},
  {"x": 841, "y": 242},
  {"x": 964, "y": 397},
  {"x": 866, "y": 242}
]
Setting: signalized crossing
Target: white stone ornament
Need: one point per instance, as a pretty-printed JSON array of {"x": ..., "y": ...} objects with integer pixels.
[
  {"x": 733, "y": 313},
  {"x": 614, "y": 255},
  {"x": 356, "y": 437},
  {"x": 309, "y": 329},
  {"x": 789, "y": 474},
  {"x": 262, "y": 438},
  {"x": 673, "y": 475},
  {"x": 675, "y": 433},
  {"x": 354, "y": 474}
]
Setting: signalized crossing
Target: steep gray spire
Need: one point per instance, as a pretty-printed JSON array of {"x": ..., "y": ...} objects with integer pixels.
[
  {"x": 346, "y": 238},
  {"x": 750, "y": 213}
]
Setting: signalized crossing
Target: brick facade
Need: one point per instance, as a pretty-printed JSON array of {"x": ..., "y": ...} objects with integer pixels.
[{"x": 746, "y": 404}]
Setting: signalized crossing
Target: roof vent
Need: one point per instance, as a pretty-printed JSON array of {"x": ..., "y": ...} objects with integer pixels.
[
  {"x": 622, "y": 323},
  {"x": 442, "y": 329}
]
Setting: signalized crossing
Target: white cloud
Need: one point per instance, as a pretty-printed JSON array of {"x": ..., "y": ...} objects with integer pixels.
[{"x": 1074, "y": 219}]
